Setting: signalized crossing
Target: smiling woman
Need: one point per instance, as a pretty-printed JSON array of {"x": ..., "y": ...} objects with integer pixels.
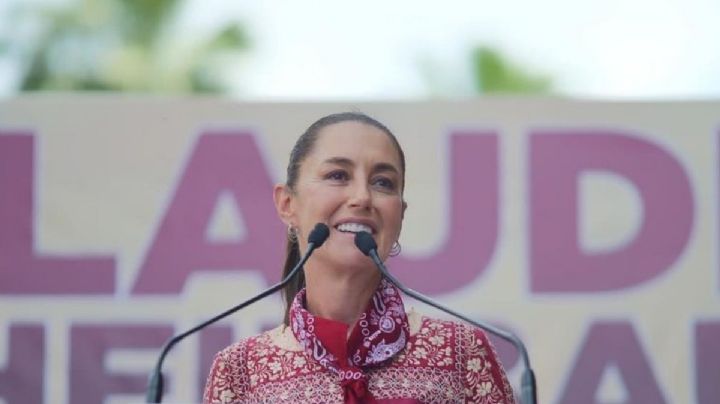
[{"x": 346, "y": 336}]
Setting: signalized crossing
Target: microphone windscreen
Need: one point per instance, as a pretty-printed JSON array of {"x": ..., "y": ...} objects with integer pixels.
[
  {"x": 319, "y": 234},
  {"x": 365, "y": 242}
]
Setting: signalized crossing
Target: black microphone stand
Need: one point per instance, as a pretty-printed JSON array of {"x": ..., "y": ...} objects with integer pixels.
[
  {"x": 367, "y": 245},
  {"x": 155, "y": 385}
]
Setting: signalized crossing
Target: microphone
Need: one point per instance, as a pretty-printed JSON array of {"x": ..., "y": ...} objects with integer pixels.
[
  {"x": 366, "y": 244},
  {"x": 155, "y": 385}
]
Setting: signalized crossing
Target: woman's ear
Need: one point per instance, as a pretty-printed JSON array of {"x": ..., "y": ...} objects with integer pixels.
[
  {"x": 404, "y": 208},
  {"x": 282, "y": 195}
]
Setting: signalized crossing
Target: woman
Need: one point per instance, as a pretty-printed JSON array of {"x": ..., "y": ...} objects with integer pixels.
[{"x": 346, "y": 336}]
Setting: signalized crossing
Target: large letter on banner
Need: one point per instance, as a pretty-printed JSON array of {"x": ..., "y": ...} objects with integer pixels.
[
  {"x": 22, "y": 378},
  {"x": 707, "y": 361},
  {"x": 92, "y": 378},
  {"x": 472, "y": 225},
  {"x": 557, "y": 158},
  {"x": 23, "y": 270},
  {"x": 611, "y": 345},
  {"x": 220, "y": 162}
]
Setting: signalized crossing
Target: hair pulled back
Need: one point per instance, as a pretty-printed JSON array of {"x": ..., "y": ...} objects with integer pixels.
[{"x": 303, "y": 146}]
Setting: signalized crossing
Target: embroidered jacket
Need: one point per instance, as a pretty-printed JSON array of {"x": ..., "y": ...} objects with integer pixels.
[{"x": 442, "y": 362}]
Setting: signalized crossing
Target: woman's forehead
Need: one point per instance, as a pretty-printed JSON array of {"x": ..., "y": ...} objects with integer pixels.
[{"x": 355, "y": 141}]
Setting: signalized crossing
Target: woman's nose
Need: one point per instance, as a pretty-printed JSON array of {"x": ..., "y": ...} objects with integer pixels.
[{"x": 360, "y": 196}]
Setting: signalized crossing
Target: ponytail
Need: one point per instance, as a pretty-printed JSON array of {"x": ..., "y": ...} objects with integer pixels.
[{"x": 291, "y": 289}]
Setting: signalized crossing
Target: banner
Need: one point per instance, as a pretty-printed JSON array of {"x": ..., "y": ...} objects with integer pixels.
[{"x": 590, "y": 229}]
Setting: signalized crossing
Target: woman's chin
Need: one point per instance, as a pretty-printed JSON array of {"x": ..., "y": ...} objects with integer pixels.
[
  {"x": 341, "y": 252},
  {"x": 345, "y": 258},
  {"x": 354, "y": 258}
]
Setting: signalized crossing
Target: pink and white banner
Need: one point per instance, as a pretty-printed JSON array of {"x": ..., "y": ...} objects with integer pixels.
[{"x": 589, "y": 229}]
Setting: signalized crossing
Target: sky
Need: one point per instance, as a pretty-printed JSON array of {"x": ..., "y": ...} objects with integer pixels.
[{"x": 401, "y": 50}]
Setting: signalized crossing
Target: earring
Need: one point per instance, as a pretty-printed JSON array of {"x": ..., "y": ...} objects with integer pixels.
[
  {"x": 292, "y": 234},
  {"x": 395, "y": 249}
]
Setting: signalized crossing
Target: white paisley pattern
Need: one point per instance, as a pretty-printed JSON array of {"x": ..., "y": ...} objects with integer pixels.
[
  {"x": 443, "y": 362},
  {"x": 379, "y": 334}
]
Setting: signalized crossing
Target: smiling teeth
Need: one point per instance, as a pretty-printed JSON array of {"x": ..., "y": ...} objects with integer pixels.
[{"x": 354, "y": 227}]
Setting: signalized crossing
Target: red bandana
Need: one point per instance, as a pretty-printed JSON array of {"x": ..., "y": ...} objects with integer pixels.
[{"x": 380, "y": 333}]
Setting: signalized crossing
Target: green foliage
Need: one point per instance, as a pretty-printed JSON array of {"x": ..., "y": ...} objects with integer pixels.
[
  {"x": 493, "y": 73},
  {"x": 126, "y": 45},
  {"x": 231, "y": 37}
]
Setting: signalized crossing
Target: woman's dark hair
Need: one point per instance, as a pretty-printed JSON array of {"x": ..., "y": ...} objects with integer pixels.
[{"x": 302, "y": 148}]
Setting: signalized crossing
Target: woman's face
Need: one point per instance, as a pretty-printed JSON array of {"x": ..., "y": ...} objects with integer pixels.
[{"x": 351, "y": 181}]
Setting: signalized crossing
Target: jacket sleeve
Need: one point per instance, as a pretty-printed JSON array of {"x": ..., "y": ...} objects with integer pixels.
[{"x": 484, "y": 377}]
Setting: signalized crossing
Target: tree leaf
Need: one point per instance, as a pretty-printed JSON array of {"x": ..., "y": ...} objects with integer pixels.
[{"x": 494, "y": 73}]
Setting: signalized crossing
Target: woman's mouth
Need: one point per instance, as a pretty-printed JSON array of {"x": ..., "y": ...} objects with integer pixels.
[{"x": 353, "y": 228}]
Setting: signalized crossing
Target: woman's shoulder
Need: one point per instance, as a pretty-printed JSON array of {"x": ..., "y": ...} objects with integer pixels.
[
  {"x": 240, "y": 365},
  {"x": 469, "y": 338},
  {"x": 484, "y": 374},
  {"x": 450, "y": 344},
  {"x": 465, "y": 340},
  {"x": 279, "y": 337},
  {"x": 420, "y": 323},
  {"x": 228, "y": 379}
]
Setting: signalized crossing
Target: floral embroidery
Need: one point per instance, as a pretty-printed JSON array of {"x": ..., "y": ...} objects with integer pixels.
[
  {"x": 474, "y": 364},
  {"x": 486, "y": 377},
  {"x": 436, "y": 340},
  {"x": 484, "y": 388},
  {"x": 428, "y": 350},
  {"x": 298, "y": 362},
  {"x": 461, "y": 369},
  {"x": 227, "y": 396}
]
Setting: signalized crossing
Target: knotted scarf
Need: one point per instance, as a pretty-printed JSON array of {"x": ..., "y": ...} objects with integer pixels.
[{"x": 380, "y": 333}]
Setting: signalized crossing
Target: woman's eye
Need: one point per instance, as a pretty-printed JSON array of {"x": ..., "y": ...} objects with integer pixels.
[
  {"x": 384, "y": 183},
  {"x": 337, "y": 175}
]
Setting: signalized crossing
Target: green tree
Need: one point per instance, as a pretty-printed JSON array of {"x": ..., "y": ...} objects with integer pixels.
[
  {"x": 494, "y": 73},
  {"x": 124, "y": 45}
]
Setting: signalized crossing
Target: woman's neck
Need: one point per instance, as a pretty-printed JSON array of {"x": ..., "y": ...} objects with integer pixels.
[{"x": 342, "y": 297}]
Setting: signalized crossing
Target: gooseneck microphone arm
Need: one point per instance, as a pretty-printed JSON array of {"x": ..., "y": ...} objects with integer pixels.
[
  {"x": 155, "y": 386},
  {"x": 367, "y": 245}
]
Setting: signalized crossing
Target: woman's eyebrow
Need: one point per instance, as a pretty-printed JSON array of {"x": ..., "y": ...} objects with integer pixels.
[
  {"x": 341, "y": 161},
  {"x": 346, "y": 162},
  {"x": 382, "y": 167}
]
